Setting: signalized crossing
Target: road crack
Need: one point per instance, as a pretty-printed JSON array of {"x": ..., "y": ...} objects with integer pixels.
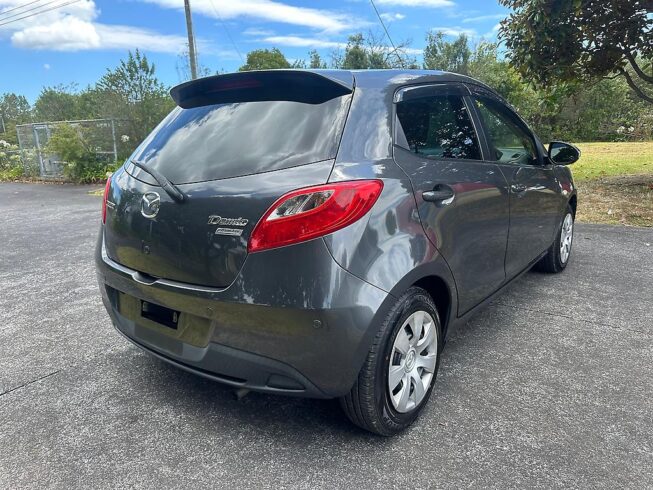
[{"x": 30, "y": 382}]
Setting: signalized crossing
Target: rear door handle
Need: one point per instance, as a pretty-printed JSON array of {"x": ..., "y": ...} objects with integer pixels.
[{"x": 440, "y": 193}]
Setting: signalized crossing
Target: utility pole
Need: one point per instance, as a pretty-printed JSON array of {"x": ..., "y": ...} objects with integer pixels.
[{"x": 191, "y": 41}]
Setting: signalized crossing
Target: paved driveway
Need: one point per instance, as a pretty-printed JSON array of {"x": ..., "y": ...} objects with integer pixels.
[{"x": 551, "y": 386}]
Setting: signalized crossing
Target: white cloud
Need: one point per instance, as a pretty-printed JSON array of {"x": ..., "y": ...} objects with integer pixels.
[
  {"x": 483, "y": 18},
  {"x": 493, "y": 33},
  {"x": 389, "y": 17},
  {"x": 67, "y": 34},
  {"x": 74, "y": 28},
  {"x": 455, "y": 31},
  {"x": 302, "y": 42},
  {"x": 269, "y": 10},
  {"x": 46, "y": 66},
  {"x": 413, "y": 51},
  {"x": 254, "y": 31},
  {"x": 418, "y": 3}
]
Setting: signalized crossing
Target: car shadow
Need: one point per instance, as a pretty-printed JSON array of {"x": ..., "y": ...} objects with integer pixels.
[{"x": 289, "y": 417}]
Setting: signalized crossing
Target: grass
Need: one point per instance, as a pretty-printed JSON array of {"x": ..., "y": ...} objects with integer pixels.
[
  {"x": 615, "y": 183},
  {"x": 610, "y": 159}
]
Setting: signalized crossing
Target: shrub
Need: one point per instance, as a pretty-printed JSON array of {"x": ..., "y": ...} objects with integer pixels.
[
  {"x": 11, "y": 165},
  {"x": 78, "y": 156}
]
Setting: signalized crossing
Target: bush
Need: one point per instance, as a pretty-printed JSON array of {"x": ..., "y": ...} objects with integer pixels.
[
  {"x": 78, "y": 156},
  {"x": 11, "y": 165}
]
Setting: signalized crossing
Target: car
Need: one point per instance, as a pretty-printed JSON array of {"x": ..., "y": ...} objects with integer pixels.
[{"x": 322, "y": 233}]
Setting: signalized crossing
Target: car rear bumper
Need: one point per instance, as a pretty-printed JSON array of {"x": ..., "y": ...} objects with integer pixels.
[{"x": 293, "y": 322}]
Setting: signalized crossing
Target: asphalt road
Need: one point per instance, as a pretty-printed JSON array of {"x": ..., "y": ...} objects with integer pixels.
[{"x": 551, "y": 386}]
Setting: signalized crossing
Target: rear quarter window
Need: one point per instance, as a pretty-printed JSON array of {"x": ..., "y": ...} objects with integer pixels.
[{"x": 439, "y": 127}]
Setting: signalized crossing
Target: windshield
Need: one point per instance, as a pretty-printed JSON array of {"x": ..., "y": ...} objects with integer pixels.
[{"x": 236, "y": 139}]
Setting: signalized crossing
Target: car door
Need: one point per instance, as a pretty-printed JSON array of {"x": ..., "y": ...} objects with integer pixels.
[
  {"x": 462, "y": 199},
  {"x": 534, "y": 189}
]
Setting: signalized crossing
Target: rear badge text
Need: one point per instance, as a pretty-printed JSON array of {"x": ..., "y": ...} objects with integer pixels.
[{"x": 220, "y": 221}]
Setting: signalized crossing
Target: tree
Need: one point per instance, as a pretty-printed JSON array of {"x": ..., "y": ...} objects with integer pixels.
[
  {"x": 58, "y": 103},
  {"x": 183, "y": 67},
  {"x": 371, "y": 52},
  {"x": 554, "y": 41},
  {"x": 265, "y": 59},
  {"x": 447, "y": 56},
  {"x": 355, "y": 54},
  {"x": 14, "y": 110},
  {"x": 315, "y": 61},
  {"x": 132, "y": 92}
]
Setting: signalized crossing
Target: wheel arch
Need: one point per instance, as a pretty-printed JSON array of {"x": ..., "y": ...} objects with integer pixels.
[
  {"x": 573, "y": 203},
  {"x": 441, "y": 294}
]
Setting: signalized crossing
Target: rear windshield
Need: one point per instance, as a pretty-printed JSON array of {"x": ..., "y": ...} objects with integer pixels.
[{"x": 230, "y": 140}]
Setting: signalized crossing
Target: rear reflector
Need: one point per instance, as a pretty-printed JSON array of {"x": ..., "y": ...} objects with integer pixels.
[
  {"x": 312, "y": 212},
  {"x": 107, "y": 188}
]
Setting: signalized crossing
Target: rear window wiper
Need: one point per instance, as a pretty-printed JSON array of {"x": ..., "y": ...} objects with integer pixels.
[{"x": 171, "y": 189}]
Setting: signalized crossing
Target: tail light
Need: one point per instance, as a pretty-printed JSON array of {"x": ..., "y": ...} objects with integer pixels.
[
  {"x": 312, "y": 212},
  {"x": 107, "y": 188}
]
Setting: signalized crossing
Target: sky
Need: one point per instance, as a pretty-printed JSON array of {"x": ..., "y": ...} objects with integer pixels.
[{"x": 52, "y": 42}]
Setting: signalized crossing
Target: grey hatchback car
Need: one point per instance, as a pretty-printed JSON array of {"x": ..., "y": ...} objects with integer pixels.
[{"x": 321, "y": 233}]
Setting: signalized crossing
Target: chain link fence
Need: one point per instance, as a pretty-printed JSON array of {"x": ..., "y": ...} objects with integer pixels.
[{"x": 101, "y": 134}]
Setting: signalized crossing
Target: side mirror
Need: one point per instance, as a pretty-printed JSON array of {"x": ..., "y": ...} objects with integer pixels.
[{"x": 563, "y": 153}]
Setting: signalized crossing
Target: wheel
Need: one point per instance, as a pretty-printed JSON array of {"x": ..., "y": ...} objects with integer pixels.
[
  {"x": 557, "y": 257},
  {"x": 397, "y": 377}
]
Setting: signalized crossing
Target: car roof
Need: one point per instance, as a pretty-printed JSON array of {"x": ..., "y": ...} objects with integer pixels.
[{"x": 396, "y": 77}]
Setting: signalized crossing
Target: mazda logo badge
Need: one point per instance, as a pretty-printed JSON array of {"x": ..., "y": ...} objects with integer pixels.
[{"x": 150, "y": 204}]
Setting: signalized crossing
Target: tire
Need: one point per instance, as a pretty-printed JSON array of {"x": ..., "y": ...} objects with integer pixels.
[
  {"x": 370, "y": 404},
  {"x": 556, "y": 259}
]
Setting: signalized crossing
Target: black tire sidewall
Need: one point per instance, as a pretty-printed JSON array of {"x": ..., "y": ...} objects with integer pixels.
[{"x": 413, "y": 301}]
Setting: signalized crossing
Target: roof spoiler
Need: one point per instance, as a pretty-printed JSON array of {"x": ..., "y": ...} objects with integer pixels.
[{"x": 309, "y": 87}]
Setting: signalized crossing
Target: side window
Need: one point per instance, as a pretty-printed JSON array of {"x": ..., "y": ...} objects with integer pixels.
[
  {"x": 509, "y": 141},
  {"x": 439, "y": 127}
]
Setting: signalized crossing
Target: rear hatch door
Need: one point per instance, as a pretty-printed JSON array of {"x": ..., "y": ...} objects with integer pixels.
[{"x": 235, "y": 144}]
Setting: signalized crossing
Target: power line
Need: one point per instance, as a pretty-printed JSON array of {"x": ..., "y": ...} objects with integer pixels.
[
  {"x": 28, "y": 10},
  {"x": 394, "y": 48},
  {"x": 224, "y": 26},
  {"x": 19, "y": 7},
  {"x": 39, "y": 12}
]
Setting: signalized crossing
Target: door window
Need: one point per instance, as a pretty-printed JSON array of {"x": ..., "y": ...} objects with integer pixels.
[
  {"x": 509, "y": 141},
  {"x": 439, "y": 127}
]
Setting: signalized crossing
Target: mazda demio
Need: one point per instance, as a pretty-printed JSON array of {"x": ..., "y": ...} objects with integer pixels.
[{"x": 321, "y": 233}]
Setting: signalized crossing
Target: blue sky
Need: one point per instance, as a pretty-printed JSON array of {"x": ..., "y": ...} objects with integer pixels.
[{"x": 77, "y": 42}]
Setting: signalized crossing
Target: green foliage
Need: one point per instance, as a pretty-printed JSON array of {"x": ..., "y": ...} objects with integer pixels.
[
  {"x": 58, "y": 103},
  {"x": 370, "y": 52},
  {"x": 440, "y": 54},
  {"x": 553, "y": 41},
  {"x": 355, "y": 54},
  {"x": 265, "y": 59},
  {"x": 75, "y": 148},
  {"x": 11, "y": 165},
  {"x": 14, "y": 109},
  {"x": 315, "y": 61},
  {"x": 132, "y": 92}
]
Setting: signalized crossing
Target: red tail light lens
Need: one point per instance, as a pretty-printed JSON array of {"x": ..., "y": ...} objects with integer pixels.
[
  {"x": 107, "y": 188},
  {"x": 312, "y": 212}
]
